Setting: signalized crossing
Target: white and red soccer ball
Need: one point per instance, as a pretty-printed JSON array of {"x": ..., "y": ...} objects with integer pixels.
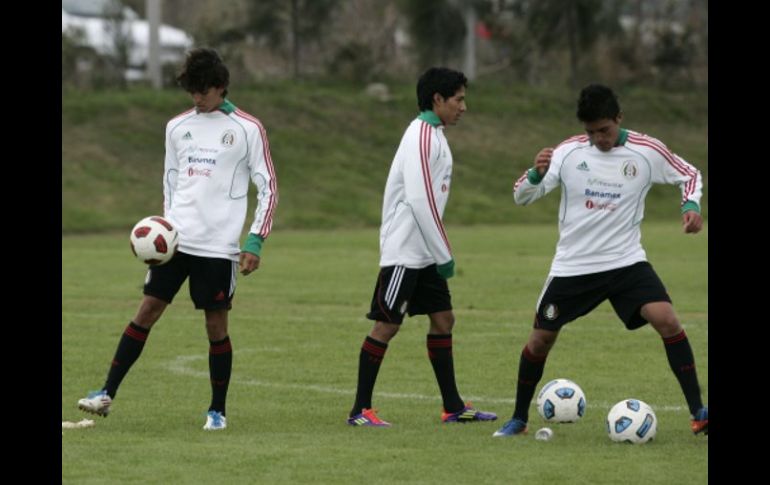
[{"x": 154, "y": 240}]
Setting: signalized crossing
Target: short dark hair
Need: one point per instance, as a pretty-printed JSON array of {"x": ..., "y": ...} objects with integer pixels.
[
  {"x": 203, "y": 69},
  {"x": 440, "y": 80},
  {"x": 597, "y": 102}
]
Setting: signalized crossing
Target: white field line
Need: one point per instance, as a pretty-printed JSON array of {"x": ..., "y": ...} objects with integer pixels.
[{"x": 180, "y": 365}]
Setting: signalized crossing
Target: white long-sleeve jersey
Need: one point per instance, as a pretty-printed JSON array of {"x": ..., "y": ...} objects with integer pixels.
[
  {"x": 210, "y": 158},
  {"x": 602, "y": 198},
  {"x": 412, "y": 232}
]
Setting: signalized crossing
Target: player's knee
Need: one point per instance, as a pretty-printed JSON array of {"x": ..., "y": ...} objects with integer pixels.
[
  {"x": 541, "y": 343},
  {"x": 383, "y": 332},
  {"x": 667, "y": 326}
]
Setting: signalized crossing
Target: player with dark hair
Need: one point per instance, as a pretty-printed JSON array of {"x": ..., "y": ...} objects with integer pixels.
[
  {"x": 415, "y": 257},
  {"x": 604, "y": 177},
  {"x": 212, "y": 151}
]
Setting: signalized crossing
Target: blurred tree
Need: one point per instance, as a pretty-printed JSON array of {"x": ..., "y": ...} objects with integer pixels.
[
  {"x": 578, "y": 24},
  {"x": 437, "y": 28},
  {"x": 279, "y": 21}
]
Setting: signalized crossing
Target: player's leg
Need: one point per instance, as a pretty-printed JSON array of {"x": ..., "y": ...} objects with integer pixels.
[
  {"x": 431, "y": 297},
  {"x": 391, "y": 292},
  {"x": 439, "y": 343},
  {"x": 212, "y": 286},
  {"x": 662, "y": 317},
  {"x": 562, "y": 300},
  {"x": 369, "y": 361},
  {"x": 161, "y": 285},
  {"x": 640, "y": 298}
]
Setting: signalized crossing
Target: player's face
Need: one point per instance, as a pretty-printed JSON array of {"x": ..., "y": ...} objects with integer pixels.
[
  {"x": 603, "y": 133},
  {"x": 450, "y": 110},
  {"x": 208, "y": 100}
]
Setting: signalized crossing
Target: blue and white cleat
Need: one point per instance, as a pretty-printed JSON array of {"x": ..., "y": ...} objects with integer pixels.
[
  {"x": 215, "y": 421},
  {"x": 511, "y": 428}
]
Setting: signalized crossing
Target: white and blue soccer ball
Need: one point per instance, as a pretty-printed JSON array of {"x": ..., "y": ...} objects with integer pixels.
[
  {"x": 154, "y": 240},
  {"x": 632, "y": 421},
  {"x": 561, "y": 401}
]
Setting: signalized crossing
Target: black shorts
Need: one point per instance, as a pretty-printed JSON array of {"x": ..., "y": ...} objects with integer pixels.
[
  {"x": 212, "y": 280},
  {"x": 566, "y": 298},
  {"x": 400, "y": 290}
]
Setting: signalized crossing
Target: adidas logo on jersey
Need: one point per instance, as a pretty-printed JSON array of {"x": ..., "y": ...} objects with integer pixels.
[
  {"x": 583, "y": 166},
  {"x": 187, "y": 136}
]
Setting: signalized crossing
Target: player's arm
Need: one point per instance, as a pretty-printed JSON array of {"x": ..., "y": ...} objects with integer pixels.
[
  {"x": 263, "y": 176},
  {"x": 170, "y": 173},
  {"x": 538, "y": 180},
  {"x": 418, "y": 186},
  {"x": 672, "y": 169}
]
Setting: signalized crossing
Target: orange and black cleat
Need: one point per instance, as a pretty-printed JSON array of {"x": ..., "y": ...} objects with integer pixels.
[{"x": 700, "y": 422}]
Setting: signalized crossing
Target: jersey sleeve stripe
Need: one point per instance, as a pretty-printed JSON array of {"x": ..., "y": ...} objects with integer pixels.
[
  {"x": 267, "y": 224},
  {"x": 576, "y": 138},
  {"x": 672, "y": 159},
  {"x": 425, "y": 136},
  {"x": 520, "y": 180}
]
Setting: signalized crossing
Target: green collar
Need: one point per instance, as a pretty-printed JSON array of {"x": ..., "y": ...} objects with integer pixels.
[
  {"x": 622, "y": 137},
  {"x": 430, "y": 117},
  {"x": 226, "y": 107}
]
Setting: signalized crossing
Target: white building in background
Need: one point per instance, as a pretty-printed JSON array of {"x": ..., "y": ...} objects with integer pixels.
[{"x": 93, "y": 24}]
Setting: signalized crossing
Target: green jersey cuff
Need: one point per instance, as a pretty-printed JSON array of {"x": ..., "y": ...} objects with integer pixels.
[
  {"x": 533, "y": 177},
  {"x": 690, "y": 206},
  {"x": 446, "y": 270},
  {"x": 253, "y": 244}
]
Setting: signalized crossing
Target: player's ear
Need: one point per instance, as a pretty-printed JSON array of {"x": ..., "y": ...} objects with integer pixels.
[{"x": 438, "y": 99}]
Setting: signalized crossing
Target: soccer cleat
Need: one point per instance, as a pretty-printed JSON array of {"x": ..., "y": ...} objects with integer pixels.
[
  {"x": 700, "y": 422},
  {"x": 467, "y": 414},
  {"x": 511, "y": 428},
  {"x": 97, "y": 402},
  {"x": 214, "y": 421},
  {"x": 367, "y": 417}
]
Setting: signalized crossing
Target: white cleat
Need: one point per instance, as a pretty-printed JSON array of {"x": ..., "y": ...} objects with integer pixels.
[{"x": 97, "y": 402}]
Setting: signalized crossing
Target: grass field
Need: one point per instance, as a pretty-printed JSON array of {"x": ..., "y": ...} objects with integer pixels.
[{"x": 297, "y": 327}]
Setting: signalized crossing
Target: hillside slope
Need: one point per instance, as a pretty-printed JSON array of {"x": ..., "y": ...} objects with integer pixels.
[{"x": 332, "y": 146}]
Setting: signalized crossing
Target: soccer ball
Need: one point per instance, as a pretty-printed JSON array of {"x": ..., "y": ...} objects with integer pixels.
[
  {"x": 561, "y": 401},
  {"x": 154, "y": 240},
  {"x": 633, "y": 421}
]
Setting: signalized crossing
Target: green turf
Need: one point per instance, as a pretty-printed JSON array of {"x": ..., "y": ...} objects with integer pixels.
[{"x": 297, "y": 327}]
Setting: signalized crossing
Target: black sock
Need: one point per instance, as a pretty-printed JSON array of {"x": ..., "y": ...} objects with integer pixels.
[
  {"x": 440, "y": 354},
  {"x": 220, "y": 367},
  {"x": 530, "y": 372},
  {"x": 372, "y": 353},
  {"x": 129, "y": 349},
  {"x": 682, "y": 362}
]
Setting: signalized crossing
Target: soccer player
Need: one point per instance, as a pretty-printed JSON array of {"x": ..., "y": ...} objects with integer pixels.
[
  {"x": 415, "y": 256},
  {"x": 604, "y": 177},
  {"x": 212, "y": 151}
]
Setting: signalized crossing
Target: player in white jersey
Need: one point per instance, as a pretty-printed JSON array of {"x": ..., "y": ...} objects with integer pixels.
[
  {"x": 604, "y": 177},
  {"x": 212, "y": 152},
  {"x": 415, "y": 256}
]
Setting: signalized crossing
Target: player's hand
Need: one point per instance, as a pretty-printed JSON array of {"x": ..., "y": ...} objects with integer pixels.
[
  {"x": 543, "y": 160},
  {"x": 249, "y": 262},
  {"x": 692, "y": 222}
]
